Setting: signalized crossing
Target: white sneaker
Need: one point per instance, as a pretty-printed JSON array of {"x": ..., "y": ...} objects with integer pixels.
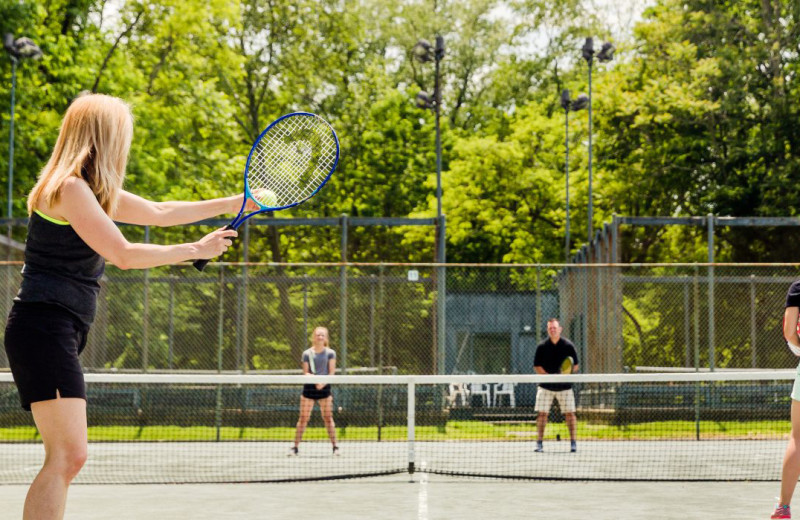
[
  {"x": 292, "y": 452},
  {"x": 336, "y": 451}
]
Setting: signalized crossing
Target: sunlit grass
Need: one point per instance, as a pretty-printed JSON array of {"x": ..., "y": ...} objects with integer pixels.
[{"x": 452, "y": 431}]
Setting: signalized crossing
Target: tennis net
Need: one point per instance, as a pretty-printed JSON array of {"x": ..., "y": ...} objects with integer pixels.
[{"x": 187, "y": 428}]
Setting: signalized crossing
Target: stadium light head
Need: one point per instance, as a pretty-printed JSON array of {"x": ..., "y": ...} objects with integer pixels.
[
  {"x": 588, "y": 49},
  {"x": 423, "y": 100},
  {"x": 424, "y": 51},
  {"x": 606, "y": 52},
  {"x": 21, "y": 48},
  {"x": 8, "y": 43},
  {"x": 580, "y": 103},
  {"x": 565, "y": 99},
  {"x": 439, "y": 51}
]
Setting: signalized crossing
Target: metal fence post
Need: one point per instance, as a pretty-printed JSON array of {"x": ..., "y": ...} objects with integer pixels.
[
  {"x": 441, "y": 295},
  {"x": 753, "y": 352},
  {"x": 305, "y": 305},
  {"x": 696, "y": 352},
  {"x": 343, "y": 297},
  {"x": 711, "y": 339},
  {"x": 538, "y": 303},
  {"x": 686, "y": 334},
  {"x": 380, "y": 347},
  {"x": 372, "y": 320},
  {"x": 242, "y": 307},
  {"x": 616, "y": 281},
  {"x": 146, "y": 309},
  {"x": 696, "y": 312},
  {"x": 171, "y": 331},
  {"x": 584, "y": 320},
  {"x": 220, "y": 337},
  {"x": 221, "y": 317}
]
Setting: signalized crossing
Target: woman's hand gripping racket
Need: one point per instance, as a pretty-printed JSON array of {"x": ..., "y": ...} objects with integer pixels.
[{"x": 289, "y": 163}]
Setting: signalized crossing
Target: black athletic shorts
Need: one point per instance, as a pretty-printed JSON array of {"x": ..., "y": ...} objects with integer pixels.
[
  {"x": 311, "y": 392},
  {"x": 42, "y": 344}
]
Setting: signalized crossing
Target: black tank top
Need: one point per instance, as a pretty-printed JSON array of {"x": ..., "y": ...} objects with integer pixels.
[{"x": 60, "y": 268}]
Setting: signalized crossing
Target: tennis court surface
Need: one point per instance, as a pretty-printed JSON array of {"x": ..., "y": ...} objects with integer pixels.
[
  {"x": 696, "y": 445},
  {"x": 395, "y": 498}
]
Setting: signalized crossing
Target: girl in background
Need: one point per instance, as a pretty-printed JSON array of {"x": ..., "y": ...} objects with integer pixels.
[{"x": 318, "y": 360}]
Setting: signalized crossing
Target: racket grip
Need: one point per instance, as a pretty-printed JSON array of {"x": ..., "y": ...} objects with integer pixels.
[{"x": 201, "y": 264}]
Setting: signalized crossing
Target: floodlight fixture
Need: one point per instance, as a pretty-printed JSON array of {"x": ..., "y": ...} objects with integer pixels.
[
  {"x": 588, "y": 49},
  {"x": 423, "y": 51},
  {"x": 565, "y": 99},
  {"x": 21, "y": 48},
  {"x": 580, "y": 103},
  {"x": 606, "y": 52},
  {"x": 423, "y": 100}
]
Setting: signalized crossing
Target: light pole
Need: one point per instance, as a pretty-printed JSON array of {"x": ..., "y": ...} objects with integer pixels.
[
  {"x": 568, "y": 105},
  {"x": 424, "y": 52},
  {"x": 606, "y": 54},
  {"x": 17, "y": 50}
]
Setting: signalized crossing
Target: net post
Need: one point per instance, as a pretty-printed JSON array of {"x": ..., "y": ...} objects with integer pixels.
[{"x": 411, "y": 425}]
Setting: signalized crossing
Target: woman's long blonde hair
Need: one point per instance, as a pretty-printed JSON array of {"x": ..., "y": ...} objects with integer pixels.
[{"x": 93, "y": 144}]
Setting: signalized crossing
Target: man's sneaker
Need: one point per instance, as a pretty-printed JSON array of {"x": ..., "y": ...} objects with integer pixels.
[
  {"x": 573, "y": 446},
  {"x": 539, "y": 447},
  {"x": 782, "y": 512},
  {"x": 336, "y": 451},
  {"x": 292, "y": 452}
]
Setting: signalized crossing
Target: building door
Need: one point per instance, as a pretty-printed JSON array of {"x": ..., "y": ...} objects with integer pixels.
[{"x": 492, "y": 353}]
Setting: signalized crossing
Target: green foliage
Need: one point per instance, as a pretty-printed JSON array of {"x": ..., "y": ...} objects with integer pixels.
[{"x": 696, "y": 115}]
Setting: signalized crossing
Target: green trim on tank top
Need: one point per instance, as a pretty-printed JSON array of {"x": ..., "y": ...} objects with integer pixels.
[{"x": 51, "y": 219}]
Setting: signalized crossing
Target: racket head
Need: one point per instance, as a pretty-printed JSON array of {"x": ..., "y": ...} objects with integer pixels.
[
  {"x": 290, "y": 161},
  {"x": 566, "y": 365}
]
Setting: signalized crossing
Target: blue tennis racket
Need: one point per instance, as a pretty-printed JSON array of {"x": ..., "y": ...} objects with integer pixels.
[{"x": 289, "y": 163}]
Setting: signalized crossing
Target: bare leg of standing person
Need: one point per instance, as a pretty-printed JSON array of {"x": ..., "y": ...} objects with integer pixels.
[{"x": 62, "y": 425}]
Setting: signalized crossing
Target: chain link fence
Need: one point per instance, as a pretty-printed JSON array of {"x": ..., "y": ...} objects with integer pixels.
[{"x": 383, "y": 317}]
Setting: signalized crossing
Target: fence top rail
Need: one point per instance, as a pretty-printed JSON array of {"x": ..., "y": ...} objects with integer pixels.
[
  {"x": 254, "y": 379},
  {"x": 493, "y": 265}
]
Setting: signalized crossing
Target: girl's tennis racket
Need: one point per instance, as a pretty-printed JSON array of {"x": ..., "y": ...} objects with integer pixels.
[{"x": 289, "y": 163}]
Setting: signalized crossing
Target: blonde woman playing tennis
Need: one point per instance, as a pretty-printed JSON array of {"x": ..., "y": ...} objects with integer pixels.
[{"x": 71, "y": 232}]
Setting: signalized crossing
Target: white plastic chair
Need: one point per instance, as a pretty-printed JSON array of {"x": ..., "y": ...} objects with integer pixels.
[
  {"x": 456, "y": 390},
  {"x": 505, "y": 389},
  {"x": 483, "y": 390}
]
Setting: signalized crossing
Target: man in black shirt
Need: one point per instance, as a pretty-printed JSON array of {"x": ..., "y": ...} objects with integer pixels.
[{"x": 550, "y": 354}]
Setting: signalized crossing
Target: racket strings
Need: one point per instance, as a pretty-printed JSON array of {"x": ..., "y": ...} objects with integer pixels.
[{"x": 292, "y": 160}]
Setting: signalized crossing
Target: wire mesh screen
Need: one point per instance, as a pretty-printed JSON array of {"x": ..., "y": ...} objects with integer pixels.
[
  {"x": 385, "y": 318},
  {"x": 194, "y": 428}
]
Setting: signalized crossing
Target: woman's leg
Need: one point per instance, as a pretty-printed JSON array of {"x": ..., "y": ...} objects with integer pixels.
[
  {"x": 62, "y": 425},
  {"x": 791, "y": 460},
  {"x": 306, "y": 405},
  {"x": 326, "y": 407}
]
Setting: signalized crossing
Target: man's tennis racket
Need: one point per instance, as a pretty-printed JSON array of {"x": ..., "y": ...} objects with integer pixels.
[
  {"x": 289, "y": 163},
  {"x": 566, "y": 365}
]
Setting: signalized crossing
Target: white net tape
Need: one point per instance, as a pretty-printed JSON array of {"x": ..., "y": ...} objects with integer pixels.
[{"x": 292, "y": 160}]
